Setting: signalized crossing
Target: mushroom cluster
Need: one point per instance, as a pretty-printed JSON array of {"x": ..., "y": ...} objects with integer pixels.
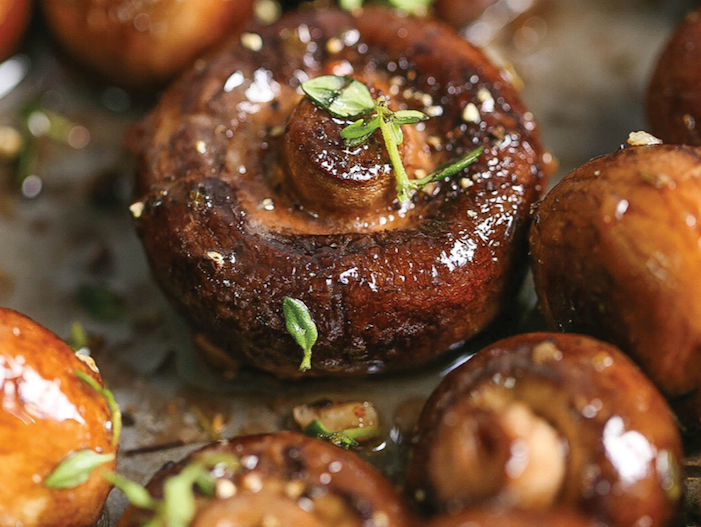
[
  {"x": 615, "y": 250},
  {"x": 249, "y": 195}
]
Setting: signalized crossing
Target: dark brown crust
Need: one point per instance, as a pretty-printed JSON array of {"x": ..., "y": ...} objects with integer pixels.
[
  {"x": 46, "y": 414},
  {"x": 294, "y": 457},
  {"x": 628, "y": 275},
  {"x": 674, "y": 95},
  {"x": 384, "y": 298},
  {"x": 607, "y": 474}
]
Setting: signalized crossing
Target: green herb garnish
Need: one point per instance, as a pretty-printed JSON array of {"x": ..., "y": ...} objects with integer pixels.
[
  {"x": 178, "y": 506},
  {"x": 345, "y": 438},
  {"x": 79, "y": 337},
  {"x": 111, "y": 403},
  {"x": 410, "y": 6},
  {"x": 350, "y": 5},
  {"x": 348, "y": 98},
  {"x": 135, "y": 493},
  {"x": 76, "y": 469},
  {"x": 342, "y": 97},
  {"x": 300, "y": 325}
]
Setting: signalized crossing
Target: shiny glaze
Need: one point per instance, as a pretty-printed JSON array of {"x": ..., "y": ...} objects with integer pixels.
[
  {"x": 622, "y": 445},
  {"x": 289, "y": 479},
  {"x": 616, "y": 248},
  {"x": 46, "y": 413},
  {"x": 674, "y": 95},
  {"x": 387, "y": 293},
  {"x": 142, "y": 43}
]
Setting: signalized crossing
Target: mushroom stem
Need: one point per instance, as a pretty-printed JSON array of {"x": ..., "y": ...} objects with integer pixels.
[
  {"x": 329, "y": 177},
  {"x": 506, "y": 452}
]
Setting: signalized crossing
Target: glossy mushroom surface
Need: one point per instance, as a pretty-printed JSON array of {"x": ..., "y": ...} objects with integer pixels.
[
  {"x": 615, "y": 251},
  {"x": 142, "y": 44},
  {"x": 248, "y": 195},
  {"x": 513, "y": 518},
  {"x": 46, "y": 414},
  {"x": 14, "y": 17},
  {"x": 292, "y": 480},
  {"x": 674, "y": 94},
  {"x": 549, "y": 419}
]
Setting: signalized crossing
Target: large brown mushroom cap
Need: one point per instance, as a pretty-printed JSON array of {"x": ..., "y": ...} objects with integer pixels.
[
  {"x": 292, "y": 480},
  {"x": 46, "y": 414},
  {"x": 616, "y": 253},
  {"x": 549, "y": 419},
  {"x": 142, "y": 43},
  {"x": 229, "y": 234},
  {"x": 674, "y": 95}
]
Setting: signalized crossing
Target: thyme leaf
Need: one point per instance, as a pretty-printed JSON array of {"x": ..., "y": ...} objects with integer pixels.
[
  {"x": 342, "y": 97},
  {"x": 76, "y": 469},
  {"x": 300, "y": 325}
]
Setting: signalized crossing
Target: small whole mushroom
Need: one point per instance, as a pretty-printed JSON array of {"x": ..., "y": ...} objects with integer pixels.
[
  {"x": 251, "y": 194},
  {"x": 141, "y": 44},
  {"x": 50, "y": 412},
  {"x": 276, "y": 479},
  {"x": 615, "y": 254},
  {"x": 547, "y": 419},
  {"x": 14, "y": 17},
  {"x": 674, "y": 94}
]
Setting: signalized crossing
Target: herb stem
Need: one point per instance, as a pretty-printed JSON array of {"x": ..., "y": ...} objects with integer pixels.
[
  {"x": 111, "y": 404},
  {"x": 403, "y": 183}
]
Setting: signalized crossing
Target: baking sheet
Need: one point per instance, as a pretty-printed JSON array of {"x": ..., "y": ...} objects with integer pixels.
[{"x": 584, "y": 65}]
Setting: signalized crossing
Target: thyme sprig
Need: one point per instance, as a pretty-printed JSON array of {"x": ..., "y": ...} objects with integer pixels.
[
  {"x": 178, "y": 506},
  {"x": 345, "y": 97}
]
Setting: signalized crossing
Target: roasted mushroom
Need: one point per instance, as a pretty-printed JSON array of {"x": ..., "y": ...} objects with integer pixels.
[
  {"x": 459, "y": 13},
  {"x": 283, "y": 479},
  {"x": 142, "y": 43},
  {"x": 674, "y": 95},
  {"x": 549, "y": 419},
  {"x": 513, "y": 518},
  {"x": 14, "y": 16},
  {"x": 615, "y": 251},
  {"x": 47, "y": 415},
  {"x": 248, "y": 195}
]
